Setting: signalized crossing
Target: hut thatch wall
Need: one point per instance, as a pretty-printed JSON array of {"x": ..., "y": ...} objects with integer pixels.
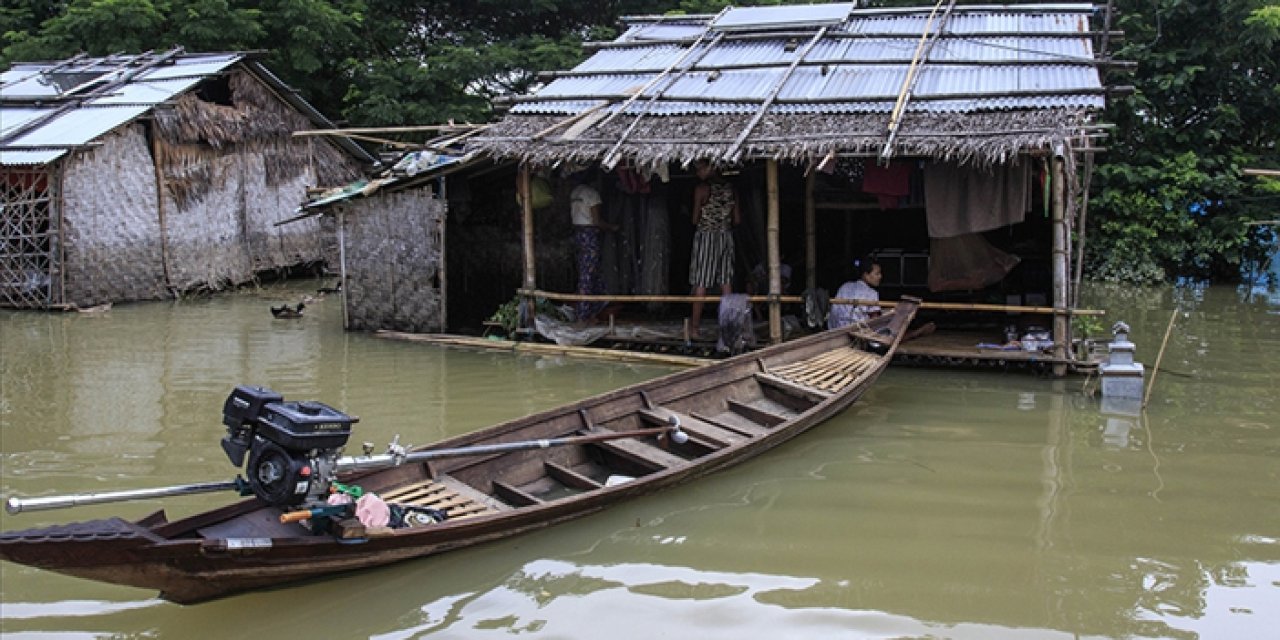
[
  {"x": 111, "y": 222},
  {"x": 232, "y": 172},
  {"x": 981, "y": 138},
  {"x": 394, "y": 243}
]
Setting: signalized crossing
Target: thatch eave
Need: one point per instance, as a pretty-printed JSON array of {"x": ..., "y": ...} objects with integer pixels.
[{"x": 980, "y": 138}]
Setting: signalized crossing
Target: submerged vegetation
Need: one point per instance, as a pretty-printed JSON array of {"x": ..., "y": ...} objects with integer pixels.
[{"x": 1169, "y": 196}]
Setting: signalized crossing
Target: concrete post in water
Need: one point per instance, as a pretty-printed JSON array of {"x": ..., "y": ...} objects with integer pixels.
[{"x": 1121, "y": 376}]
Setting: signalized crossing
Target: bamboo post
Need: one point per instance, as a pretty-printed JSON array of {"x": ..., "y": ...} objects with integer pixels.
[
  {"x": 810, "y": 235},
  {"x": 530, "y": 265},
  {"x": 1159, "y": 356},
  {"x": 157, "y": 155},
  {"x": 771, "y": 239},
  {"x": 1059, "y": 263},
  {"x": 443, "y": 246},
  {"x": 342, "y": 268}
]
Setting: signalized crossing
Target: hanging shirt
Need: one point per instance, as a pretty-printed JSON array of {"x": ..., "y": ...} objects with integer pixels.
[{"x": 581, "y": 200}]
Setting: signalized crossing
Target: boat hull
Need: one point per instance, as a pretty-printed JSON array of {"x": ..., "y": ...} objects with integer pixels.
[{"x": 763, "y": 399}]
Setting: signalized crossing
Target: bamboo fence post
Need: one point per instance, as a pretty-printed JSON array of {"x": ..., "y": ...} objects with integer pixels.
[
  {"x": 530, "y": 265},
  {"x": 1159, "y": 356},
  {"x": 1059, "y": 264},
  {"x": 775, "y": 270},
  {"x": 810, "y": 235}
]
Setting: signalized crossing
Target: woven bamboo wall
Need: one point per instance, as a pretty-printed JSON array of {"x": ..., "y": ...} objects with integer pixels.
[
  {"x": 393, "y": 244},
  {"x": 111, "y": 223}
]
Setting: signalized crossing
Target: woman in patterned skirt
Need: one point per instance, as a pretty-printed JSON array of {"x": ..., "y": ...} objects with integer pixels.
[{"x": 715, "y": 213}]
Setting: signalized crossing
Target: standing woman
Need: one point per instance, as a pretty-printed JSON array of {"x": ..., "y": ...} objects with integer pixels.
[
  {"x": 584, "y": 207},
  {"x": 715, "y": 212}
]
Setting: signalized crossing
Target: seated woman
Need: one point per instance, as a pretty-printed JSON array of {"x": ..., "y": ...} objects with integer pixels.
[{"x": 864, "y": 288}]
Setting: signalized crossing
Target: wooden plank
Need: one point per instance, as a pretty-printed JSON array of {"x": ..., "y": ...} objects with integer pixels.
[
  {"x": 697, "y": 429},
  {"x": 570, "y": 478},
  {"x": 643, "y": 453},
  {"x": 792, "y": 388},
  {"x": 514, "y": 495},
  {"x": 756, "y": 414},
  {"x": 726, "y": 421}
]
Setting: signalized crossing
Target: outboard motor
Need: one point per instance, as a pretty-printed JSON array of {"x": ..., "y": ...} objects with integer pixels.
[{"x": 292, "y": 446}]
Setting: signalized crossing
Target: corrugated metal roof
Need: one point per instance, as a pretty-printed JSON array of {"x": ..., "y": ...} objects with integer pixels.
[
  {"x": 1003, "y": 57},
  {"x": 31, "y": 91},
  {"x": 77, "y": 127}
]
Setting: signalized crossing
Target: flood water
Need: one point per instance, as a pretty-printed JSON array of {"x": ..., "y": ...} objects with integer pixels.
[{"x": 946, "y": 504}]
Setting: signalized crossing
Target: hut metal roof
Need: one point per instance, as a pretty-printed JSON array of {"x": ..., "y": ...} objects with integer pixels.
[
  {"x": 686, "y": 74},
  {"x": 50, "y": 108}
]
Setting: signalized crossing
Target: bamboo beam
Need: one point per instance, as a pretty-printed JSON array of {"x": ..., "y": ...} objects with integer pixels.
[
  {"x": 410, "y": 129},
  {"x": 1045, "y": 58},
  {"x": 611, "y": 158},
  {"x": 540, "y": 348},
  {"x": 1058, "y": 176},
  {"x": 734, "y": 152},
  {"x": 810, "y": 235},
  {"x": 1269, "y": 173},
  {"x": 780, "y": 35},
  {"x": 923, "y": 48},
  {"x": 942, "y": 306},
  {"x": 771, "y": 239},
  {"x": 959, "y": 95}
]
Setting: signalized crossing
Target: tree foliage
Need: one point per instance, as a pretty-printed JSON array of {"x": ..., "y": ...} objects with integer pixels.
[{"x": 1169, "y": 199}]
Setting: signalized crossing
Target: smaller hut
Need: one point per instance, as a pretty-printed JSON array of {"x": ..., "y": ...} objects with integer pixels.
[{"x": 139, "y": 177}]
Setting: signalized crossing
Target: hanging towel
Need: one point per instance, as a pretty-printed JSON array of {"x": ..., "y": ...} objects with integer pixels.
[{"x": 965, "y": 199}]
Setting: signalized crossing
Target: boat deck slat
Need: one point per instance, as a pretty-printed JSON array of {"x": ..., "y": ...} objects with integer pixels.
[
  {"x": 447, "y": 495},
  {"x": 826, "y": 373}
]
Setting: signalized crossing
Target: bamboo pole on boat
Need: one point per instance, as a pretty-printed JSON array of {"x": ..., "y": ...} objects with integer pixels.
[
  {"x": 771, "y": 239},
  {"x": 1058, "y": 193},
  {"x": 348, "y": 464}
]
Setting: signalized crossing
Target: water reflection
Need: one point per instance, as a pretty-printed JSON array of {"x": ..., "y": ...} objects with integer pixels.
[{"x": 945, "y": 504}]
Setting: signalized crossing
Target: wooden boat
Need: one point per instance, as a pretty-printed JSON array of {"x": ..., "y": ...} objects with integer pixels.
[{"x": 730, "y": 410}]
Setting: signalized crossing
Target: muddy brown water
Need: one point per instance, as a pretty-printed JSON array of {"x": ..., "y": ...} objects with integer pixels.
[{"x": 945, "y": 504}]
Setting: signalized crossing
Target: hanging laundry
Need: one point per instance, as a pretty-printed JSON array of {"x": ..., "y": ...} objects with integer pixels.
[{"x": 889, "y": 183}]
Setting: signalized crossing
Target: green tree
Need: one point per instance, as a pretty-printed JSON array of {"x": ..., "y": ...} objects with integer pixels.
[{"x": 1171, "y": 199}]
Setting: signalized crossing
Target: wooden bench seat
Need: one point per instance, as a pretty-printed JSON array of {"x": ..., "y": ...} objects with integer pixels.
[
  {"x": 698, "y": 430},
  {"x": 646, "y": 454}
]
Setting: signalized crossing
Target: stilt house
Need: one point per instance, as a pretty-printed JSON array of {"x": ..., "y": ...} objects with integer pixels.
[
  {"x": 951, "y": 141},
  {"x": 139, "y": 177}
]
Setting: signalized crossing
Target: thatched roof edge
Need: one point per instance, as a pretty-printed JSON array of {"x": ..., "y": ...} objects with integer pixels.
[{"x": 979, "y": 138}]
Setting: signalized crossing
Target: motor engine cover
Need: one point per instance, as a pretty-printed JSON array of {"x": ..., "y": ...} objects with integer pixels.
[{"x": 278, "y": 476}]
